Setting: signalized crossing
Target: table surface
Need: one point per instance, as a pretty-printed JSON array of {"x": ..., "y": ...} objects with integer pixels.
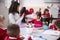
[
  {"x": 26, "y": 32},
  {"x": 34, "y": 33}
]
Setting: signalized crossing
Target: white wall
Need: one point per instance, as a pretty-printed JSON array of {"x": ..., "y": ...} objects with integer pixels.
[
  {"x": 36, "y": 4},
  {"x": 33, "y": 3},
  {"x": 54, "y": 10},
  {"x": 51, "y": 0},
  {"x": 7, "y": 3},
  {"x": 4, "y": 11},
  {"x": 40, "y": 4}
]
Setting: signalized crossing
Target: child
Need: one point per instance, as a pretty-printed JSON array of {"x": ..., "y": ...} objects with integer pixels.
[
  {"x": 37, "y": 22},
  {"x": 13, "y": 32},
  {"x": 53, "y": 27},
  {"x": 46, "y": 15},
  {"x": 56, "y": 25},
  {"x": 2, "y": 32},
  {"x": 39, "y": 12}
]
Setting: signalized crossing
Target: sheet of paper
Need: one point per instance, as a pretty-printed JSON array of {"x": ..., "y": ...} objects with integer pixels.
[{"x": 52, "y": 32}]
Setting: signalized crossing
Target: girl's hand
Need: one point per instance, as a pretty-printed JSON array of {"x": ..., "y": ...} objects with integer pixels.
[{"x": 23, "y": 14}]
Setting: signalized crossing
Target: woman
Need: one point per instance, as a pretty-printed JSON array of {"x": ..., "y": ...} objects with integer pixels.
[{"x": 14, "y": 17}]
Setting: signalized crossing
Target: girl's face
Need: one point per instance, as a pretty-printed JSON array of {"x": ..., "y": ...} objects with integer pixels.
[
  {"x": 47, "y": 12},
  {"x": 37, "y": 17},
  {"x": 40, "y": 9}
]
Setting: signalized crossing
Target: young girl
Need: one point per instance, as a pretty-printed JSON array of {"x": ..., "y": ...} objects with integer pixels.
[
  {"x": 14, "y": 16},
  {"x": 2, "y": 32},
  {"x": 13, "y": 32},
  {"x": 37, "y": 22},
  {"x": 57, "y": 24},
  {"x": 46, "y": 15},
  {"x": 39, "y": 12}
]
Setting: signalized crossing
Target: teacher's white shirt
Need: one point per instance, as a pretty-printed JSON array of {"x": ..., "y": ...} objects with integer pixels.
[{"x": 15, "y": 19}]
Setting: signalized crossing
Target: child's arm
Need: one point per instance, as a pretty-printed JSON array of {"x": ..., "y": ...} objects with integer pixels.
[
  {"x": 32, "y": 21},
  {"x": 19, "y": 20}
]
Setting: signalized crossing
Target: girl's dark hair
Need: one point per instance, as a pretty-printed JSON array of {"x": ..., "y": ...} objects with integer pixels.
[
  {"x": 46, "y": 10},
  {"x": 13, "y": 7},
  {"x": 38, "y": 14},
  {"x": 22, "y": 10}
]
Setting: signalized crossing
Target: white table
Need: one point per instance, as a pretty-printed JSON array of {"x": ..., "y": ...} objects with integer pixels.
[{"x": 27, "y": 31}]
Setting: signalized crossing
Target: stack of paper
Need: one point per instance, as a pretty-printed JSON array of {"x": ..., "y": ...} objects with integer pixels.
[{"x": 52, "y": 32}]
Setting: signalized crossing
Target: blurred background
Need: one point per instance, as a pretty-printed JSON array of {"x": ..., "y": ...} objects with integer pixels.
[{"x": 36, "y": 4}]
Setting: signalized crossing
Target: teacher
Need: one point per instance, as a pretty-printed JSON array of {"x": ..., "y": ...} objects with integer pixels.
[{"x": 14, "y": 16}]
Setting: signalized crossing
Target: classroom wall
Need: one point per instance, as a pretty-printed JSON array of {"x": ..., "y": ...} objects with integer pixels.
[
  {"x": 36, "y": 4},
  {"x": 4, "y": 11},
  {"x": 51, "y": 0},
  {"x": 40, "y": 4}
]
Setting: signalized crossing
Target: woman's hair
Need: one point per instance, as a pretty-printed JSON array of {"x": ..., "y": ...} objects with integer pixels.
[
  {"x": 13, "y": 8},
  {"x": 46, "y": 10},
  {"x": 13, "y": 30},
  {"x": 57, "y": 23},
  {"x": 22, "y": 10},
  {"x": 1, "y": 18}
]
